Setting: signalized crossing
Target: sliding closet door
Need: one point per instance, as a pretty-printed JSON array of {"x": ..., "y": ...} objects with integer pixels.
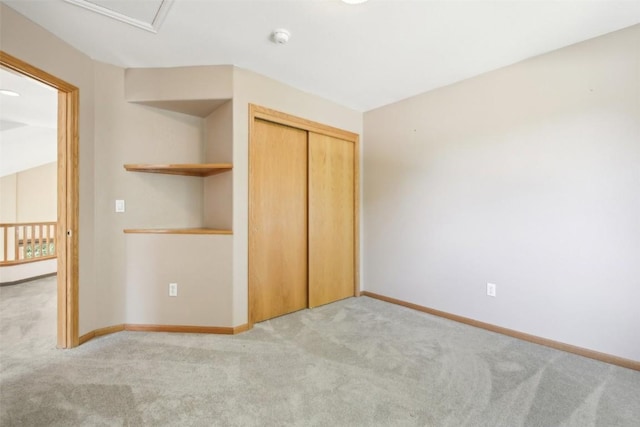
[
  {"x": 278, "y": 220},
  {"x": 331, "y": 219}
]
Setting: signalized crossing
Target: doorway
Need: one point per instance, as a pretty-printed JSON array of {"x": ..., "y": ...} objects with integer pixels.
[{"x": 68, "y": 206}]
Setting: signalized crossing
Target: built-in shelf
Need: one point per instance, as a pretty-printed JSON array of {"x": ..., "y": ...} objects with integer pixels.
[
  {"x": 187, "y": 169},
  {"x": 176, "y": 231}
]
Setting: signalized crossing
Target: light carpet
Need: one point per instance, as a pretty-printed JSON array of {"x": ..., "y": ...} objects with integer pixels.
[{"x": 357, "y": 362}]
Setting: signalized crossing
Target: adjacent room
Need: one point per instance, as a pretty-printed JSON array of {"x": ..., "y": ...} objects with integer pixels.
[{"x": 321, "y": 212}]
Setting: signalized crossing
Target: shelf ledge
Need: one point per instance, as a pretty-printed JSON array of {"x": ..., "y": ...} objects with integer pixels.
[
  {"x": 186, "y": 169},
  {"x": 176, "y": 231}
]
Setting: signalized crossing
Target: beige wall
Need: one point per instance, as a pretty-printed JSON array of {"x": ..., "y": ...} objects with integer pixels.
[
  {"x": 199, "y": 264},
  {"x": 30, "y": 195},
  {"x": 132, "y": 133},
  {"x": 31, "y": 43},
  {"x": 37, "y": 196},
  {"x": 207, "y": 82},
  {"x": 8, "y": 212},
  {"x": 526, "y": 177},
  {"x": 8, "y": 198},
  {"x": 218, "y": 148}
]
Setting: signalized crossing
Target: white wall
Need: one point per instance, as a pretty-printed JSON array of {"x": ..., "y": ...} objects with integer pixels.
[
  {"x": 14, "y": 273},
  {"x": 527, "y": 177}
]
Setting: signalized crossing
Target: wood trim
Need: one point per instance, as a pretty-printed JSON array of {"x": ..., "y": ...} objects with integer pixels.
[
  {"x": 221, "y": 330},
  {"x": 258, "y": 112},
  {"x": 15, "y": 64},
  {"x": 164, "y": 328},
  {"x": 251, "y": 136},
  {"x": 176, "y": 231},
  {"x": 356, "y": 215},
  {"x": 71, "y": 214},
  {"x": 580, "y": 351},
  {"x": 242, "y": 328},
  {"x": 61, "y": 229},
  {"x": 100, "y": 332},
  {"x": 68, "y": 202},
  {"x": 187, "y": 169},
  {"x": 19, "y": 224}
]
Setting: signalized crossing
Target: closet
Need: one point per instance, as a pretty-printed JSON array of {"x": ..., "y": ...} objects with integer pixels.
[{"x": 302, "y": 214}]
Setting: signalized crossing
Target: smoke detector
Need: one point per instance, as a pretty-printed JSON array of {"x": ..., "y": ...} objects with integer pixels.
[{"x": 280, "y": 36}]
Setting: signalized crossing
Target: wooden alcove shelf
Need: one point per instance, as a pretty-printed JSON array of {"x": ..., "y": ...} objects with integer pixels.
[
  {"x": 176, "y": 231},
  {"x": 187, "y": 169}
]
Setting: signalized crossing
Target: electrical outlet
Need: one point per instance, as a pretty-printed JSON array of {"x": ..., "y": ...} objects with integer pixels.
[
  {"x": 173, "y": 289},
  {"x": 120, "y": 206},
  {"x": 491, "y": 289}
]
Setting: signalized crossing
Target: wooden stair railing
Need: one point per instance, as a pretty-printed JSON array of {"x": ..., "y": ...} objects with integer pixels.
[{"x": 27, "y": 242}]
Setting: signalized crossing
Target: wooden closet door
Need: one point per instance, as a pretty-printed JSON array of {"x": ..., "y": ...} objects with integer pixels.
[
  {"x": 331, "y": 219},
  {"x": 278, "y": 220}
]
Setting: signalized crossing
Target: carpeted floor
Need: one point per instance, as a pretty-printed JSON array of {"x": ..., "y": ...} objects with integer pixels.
[{"x": 358, "y": 362}]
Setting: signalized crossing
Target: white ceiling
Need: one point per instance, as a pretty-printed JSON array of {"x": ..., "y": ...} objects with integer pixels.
[
  {"x": 144, "y": 11},
  {"x": 28, "y": 124},
  {"x": 362, "y": 56},
  {"x": 147, "y": 14}
]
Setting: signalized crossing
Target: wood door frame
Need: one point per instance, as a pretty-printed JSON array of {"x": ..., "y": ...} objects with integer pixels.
[
  {"x": 68, "y": 205},
  {"x": 263, "y": 113}
]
